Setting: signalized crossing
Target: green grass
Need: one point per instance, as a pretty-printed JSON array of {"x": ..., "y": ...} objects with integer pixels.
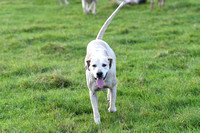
[{"x": 42, "y": 75}]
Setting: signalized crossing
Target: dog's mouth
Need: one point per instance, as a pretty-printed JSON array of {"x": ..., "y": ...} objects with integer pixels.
[{"x": 100, "y": 81}]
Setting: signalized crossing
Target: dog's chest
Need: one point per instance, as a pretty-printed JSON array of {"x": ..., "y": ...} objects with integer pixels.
[
  {"x": 106, "y": 85},
  {"x": 102, "y": 89}
]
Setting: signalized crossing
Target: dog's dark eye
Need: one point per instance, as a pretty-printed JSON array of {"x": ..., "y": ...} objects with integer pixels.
[
  {"x": 104, "y": 65},
  {"x": 94, "y": 65}
]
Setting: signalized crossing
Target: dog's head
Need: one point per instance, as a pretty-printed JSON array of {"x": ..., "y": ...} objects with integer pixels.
[{"x": 99, "y": 67}]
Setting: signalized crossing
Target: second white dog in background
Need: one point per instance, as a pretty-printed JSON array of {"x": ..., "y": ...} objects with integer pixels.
[
  {"x": 89, "y": 6},
  {"x": 66, "y": 2}
]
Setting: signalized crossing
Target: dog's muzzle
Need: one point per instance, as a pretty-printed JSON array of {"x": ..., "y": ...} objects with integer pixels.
[
  {"x": 100, "y": 79},
  {"x": 100, "y": 76}
]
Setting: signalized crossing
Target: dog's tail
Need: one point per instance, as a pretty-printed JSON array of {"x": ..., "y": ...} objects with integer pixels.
[{"x": 104, "y": 27}]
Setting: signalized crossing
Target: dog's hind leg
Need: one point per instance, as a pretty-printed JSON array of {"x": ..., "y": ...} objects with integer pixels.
[
  {"x": 94, "y": 102},
  {"x": 113, "y": 92}
]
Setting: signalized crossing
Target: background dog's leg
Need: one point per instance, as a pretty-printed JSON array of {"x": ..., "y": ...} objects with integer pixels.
[
  {"x": 60, "y": 2},
  {"x": 91, "y": 6},
  {"x": 84, "y": 5},
  {"x": 94, "y": 7},
  {"x": 113, "y": 92},
  {"x": 66, "y": 2},
  {"x": 152, "y": 2},
  {"x": 160, "y": 3},
  {"x": 87, "y": 7},
  {"x": 94, "y": 102},
  {"x": 163, "y": 2}
]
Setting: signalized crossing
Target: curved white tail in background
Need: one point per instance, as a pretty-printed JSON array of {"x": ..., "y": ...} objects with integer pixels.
[{"x": 104, "y": 27}]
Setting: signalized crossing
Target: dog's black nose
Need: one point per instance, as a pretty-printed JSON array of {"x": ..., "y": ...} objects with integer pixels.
[{"x": 99, "y": 75}]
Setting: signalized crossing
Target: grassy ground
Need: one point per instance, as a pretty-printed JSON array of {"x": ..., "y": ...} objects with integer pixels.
[{"x": 42, "y": 76}]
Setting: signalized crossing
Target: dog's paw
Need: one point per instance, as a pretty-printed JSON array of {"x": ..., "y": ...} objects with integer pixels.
[
  {"x": 112, "y": 110},
  {"x": 97, "y": 120}
]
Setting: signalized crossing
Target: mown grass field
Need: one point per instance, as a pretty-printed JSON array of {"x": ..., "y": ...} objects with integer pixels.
[{"x": 42, "y": 75}]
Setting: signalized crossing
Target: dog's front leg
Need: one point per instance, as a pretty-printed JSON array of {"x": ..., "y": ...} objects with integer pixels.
[
  {"x": 113, "y": 92},
  {"x": 108, "y": 95},
  {"x": 94, "y": 102}
]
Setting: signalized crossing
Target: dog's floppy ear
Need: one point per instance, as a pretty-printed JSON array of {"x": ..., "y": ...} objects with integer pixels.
[
  {"x": 87, "y": 64},
  {"x": 110, "y": 61}
]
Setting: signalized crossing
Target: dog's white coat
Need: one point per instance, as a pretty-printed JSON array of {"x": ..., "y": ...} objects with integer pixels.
[{"x": 101, "y": 58}]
